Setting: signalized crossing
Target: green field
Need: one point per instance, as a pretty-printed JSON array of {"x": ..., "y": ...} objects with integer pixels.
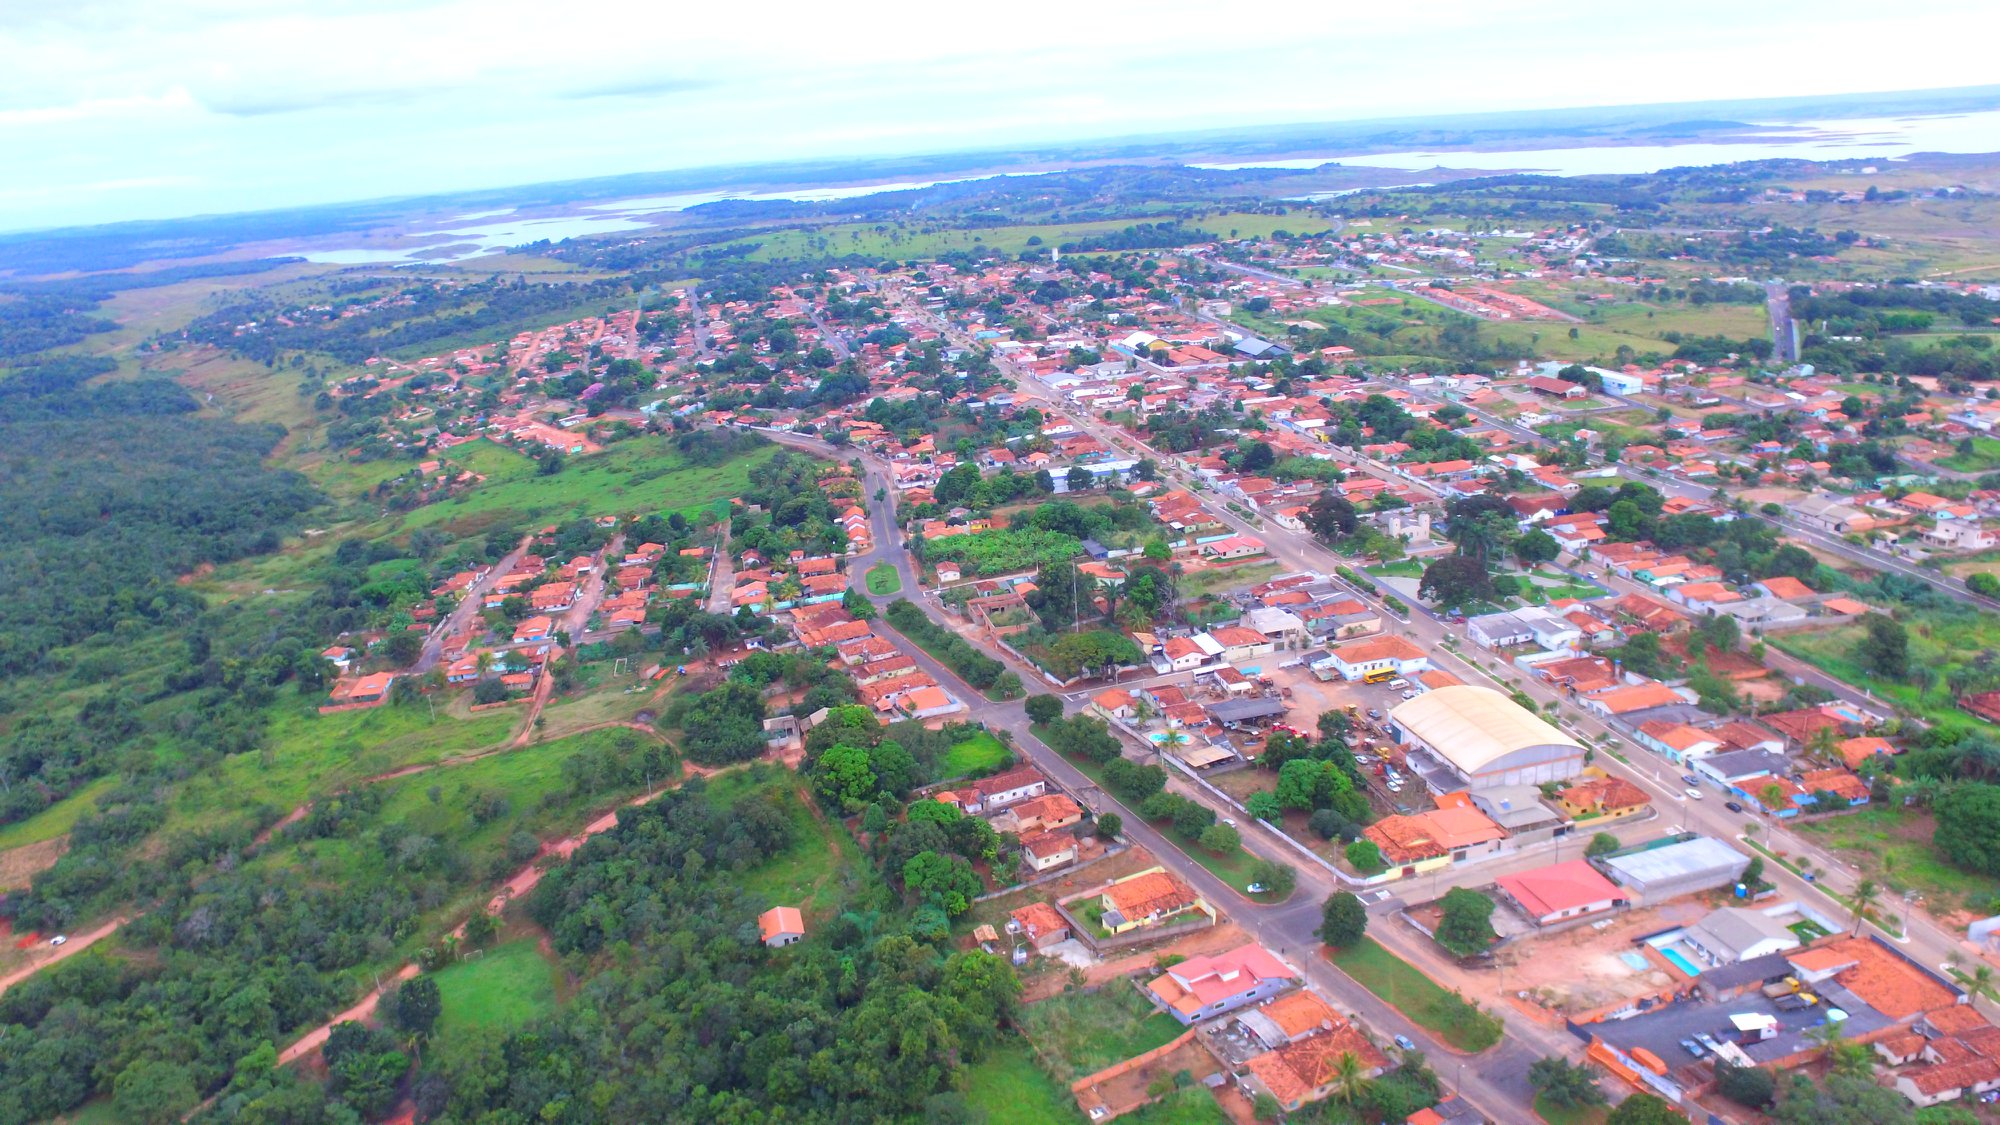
[
  {"x": 926, "y": 240},
  {"x": 1937, "y": 642},
  {"x": 809, "y": 874},
  {"x": 1985, "y": 457},
  {"x": 1894, "y": 846},
  {"x": 1193, "y": 1105},
  {"x": 1081, "y": 1033},
  {"x": 883, "y": 580},
  {"x": 640, "y": 475},
  {"x": 57, "y": 818},
  {"x": 502, "y": 988},
  {"x": 1569, "y": 1115},
  {"x": 979, "y": 755},
  {"x": 1012, "y": 1090},
  {"x": 1417, "y": 996}
]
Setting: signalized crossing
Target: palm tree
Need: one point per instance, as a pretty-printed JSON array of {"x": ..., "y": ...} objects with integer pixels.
[
  {"x": 1348, "y": 1079},
  {"x": 1982, "y": 983},
  {"x": 1866, "y": 894}
]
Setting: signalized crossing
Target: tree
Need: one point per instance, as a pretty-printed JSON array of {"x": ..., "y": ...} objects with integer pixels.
[
  {"x": 1466, "y": 927},
  {"x": 1885, "y": 650},
  {"x": 1343, "y": 920},
  {"x": 1109, "y": 826},
  {"x": 1866, "y": 894},
  {"x": 154, "y": 1092},
  {"x": 1266, "y": 1108},
  {"x": 1648, "y": 1109},
  {"x": 1748, "y": 1086},
  {"x": 944, "y": 881},
  {"x": 1364, "y": 856},
  {"x": 1968, "y": 826},
  {"x": 844, "y": 777},
  {"x": 1536, "y": 546},
  {"x": 1277, "y": 879},
  {"x": 415, "y": 1006},
  {"x": 1565, "y": 1085},
  {"x": 1350, "y": 1078},
  {"x": 1043, "y": 708},
  {"x": 1331, "y": 517},
  {"x": 1079, "y": 479},
  {"x": 1456, "y": 580},
  {"x": 1604, "y": 843},
  {"x": 1220, "y": 839},
  {"x": 1983, "y": 584}
]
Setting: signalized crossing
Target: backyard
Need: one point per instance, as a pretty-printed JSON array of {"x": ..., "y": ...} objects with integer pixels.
[
  {"x": 1080, "y": 1033},
  {"x": 978, "y": 756}
]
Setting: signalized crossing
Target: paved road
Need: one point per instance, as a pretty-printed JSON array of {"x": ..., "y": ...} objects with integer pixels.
[
  {"x": 468, "y": 608},
  {"x": 1784, "y": 331},
  {"x": 1496, "y": 1081}
]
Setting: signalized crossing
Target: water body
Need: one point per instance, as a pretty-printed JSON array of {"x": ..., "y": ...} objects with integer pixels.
[
  {"x": 1887, "y": 138},
  {"x": 1883, "y": 138}
]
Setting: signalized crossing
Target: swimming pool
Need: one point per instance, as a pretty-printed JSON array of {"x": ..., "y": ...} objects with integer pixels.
[{"x": 1680, "y": 960}]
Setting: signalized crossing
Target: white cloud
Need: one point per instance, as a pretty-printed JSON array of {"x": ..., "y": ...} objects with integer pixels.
[{"x": 246, "y": 103}]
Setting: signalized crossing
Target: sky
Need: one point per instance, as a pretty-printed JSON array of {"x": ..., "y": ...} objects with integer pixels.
[{"x": 123, "y": 109}]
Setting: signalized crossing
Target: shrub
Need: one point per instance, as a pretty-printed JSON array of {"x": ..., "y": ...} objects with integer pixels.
[
  {"x": 1365, "y": 856},
  {"x": 1043, "y": 708}
]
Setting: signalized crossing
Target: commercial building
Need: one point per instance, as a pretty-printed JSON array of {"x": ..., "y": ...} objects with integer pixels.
[
  {"x": 1561, "y": 892},
  {"x": 1681, "y": 868},
  {"x": 1357, "y": 659},
  {"x": 1486, "y": 739},
  {"x": 1732, "y": 934}
]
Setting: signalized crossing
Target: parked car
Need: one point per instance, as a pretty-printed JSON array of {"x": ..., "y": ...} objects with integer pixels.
[
  {"x": 1374, "y": 714},
  {"x": 1692, "y": 1048},
  {"x": 1732, "y": 806},
  {"x": 1398, "y": 684},
  {"x": 1406, "y": 1043},
  {"x": 1255, "y": 888},
  {"x": 1691, "y": 779},
  {"x": 59, "y": 939},
  {"x": 1407, "y": 694},
  {"x": 1693, "y": 793}
]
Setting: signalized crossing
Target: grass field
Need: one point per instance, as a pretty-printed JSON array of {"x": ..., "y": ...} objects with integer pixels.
[
  {"x": 639, "y": 475},
  {"x": 1012, "y": 1090},
  {"x": 1985, "y": 457},
  {"x": 57, "y": 818},
  {"x": 1193, "y": 1105},
  {"x": 883, "y": 580},
  {"x": 809, "y": 874},
  {"x": 1894, "y": 845},
  {"x": 922, "y": 240},
  {"x": 1081, "y": 1033},
  {"x": 1417, "y": 996},
  {"x": 502, "y": 988},
  {"x": 1569, "y": 1115},
  {"x": 1936, "y": 641},
  {"x": 980, "y": 754}
]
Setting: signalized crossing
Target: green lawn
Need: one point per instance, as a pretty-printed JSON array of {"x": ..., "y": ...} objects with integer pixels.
[
  {"x": 979, "y": 755},
  {"x": 1569, "y": 1115},
  {"x": 1417, "y": 996},
  {"x": 1012, "y": 1090},
  {"x": 502, "y": 988},
  {"x": 1081, "y": 1033},
  {"x": 1401, "y": 568},
  {"x": 883, "y": 580}
]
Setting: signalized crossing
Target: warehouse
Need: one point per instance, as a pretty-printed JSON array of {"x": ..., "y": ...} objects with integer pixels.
[
  {"x": 1483, "y": 739},
  {"x": 1660, "y": 873}
]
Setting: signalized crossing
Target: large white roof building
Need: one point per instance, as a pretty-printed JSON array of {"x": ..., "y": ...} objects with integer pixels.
[{"x": 1486, "y": 739}]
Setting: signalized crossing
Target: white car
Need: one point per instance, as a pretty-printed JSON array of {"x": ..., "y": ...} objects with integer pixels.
[
  {"x": 59, "y": 939},
  {"x": 1693, "y": 793}
]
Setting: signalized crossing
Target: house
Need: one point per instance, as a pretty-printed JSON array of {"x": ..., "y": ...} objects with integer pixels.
[
  {"x": 1854, "y": 751},
  {"x": 1115, "y": 703},
  {"x": 781, "y": 925},
  {"x": 1038, "y": 814},
  {"x": 1356, "y": 660},
  {"x": 1732, "y": 934},
  {"x": 1012, "y": 787},
  {"x": 1308, "y": 1069},
  {"x": 1207, "y": 985},
  {"x": 1040, "y": 923},
  {"x": 1146, "y": 899},
  {"x": 1602, "y": 798},
  {"x": 1045, "y": 851},
  {"x": 1289, "y": 1018},
  {"x": 532, "y": 629},
  {"x": 1444, "y": 835},
  {"x": 1561, "y": 892},
  {"x": 1678, "y": 741},
  {"x": 1179, "y": 654}
]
